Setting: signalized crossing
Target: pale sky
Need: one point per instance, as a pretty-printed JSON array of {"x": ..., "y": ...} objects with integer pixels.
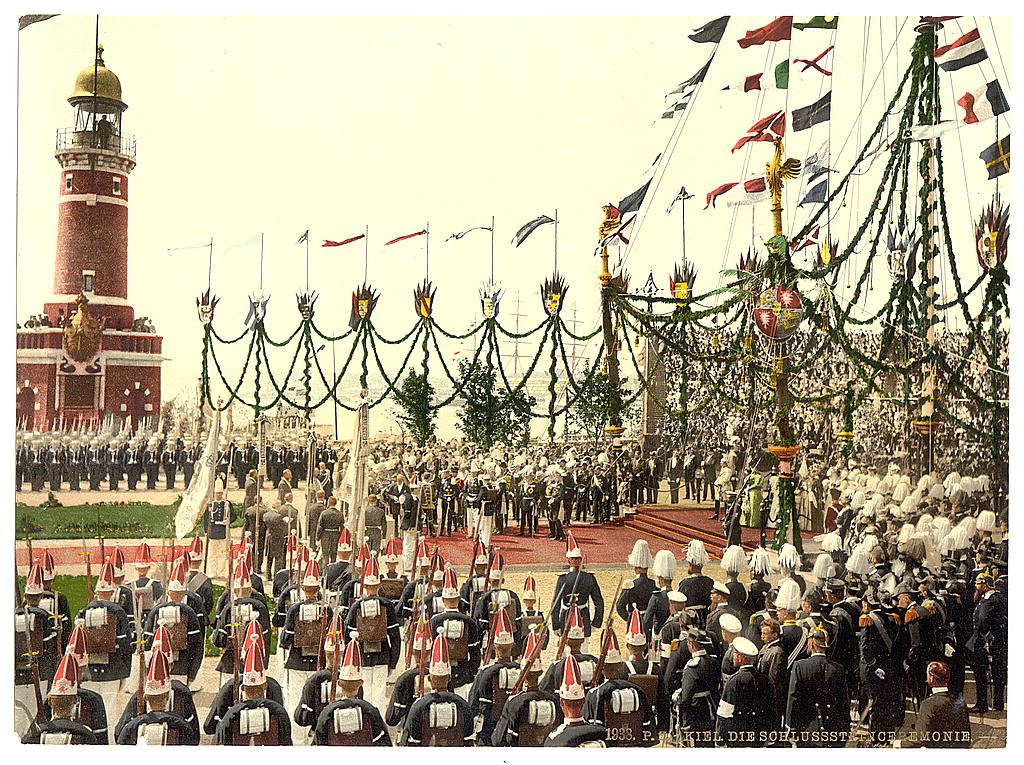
[{"x": 275, "y": 125}]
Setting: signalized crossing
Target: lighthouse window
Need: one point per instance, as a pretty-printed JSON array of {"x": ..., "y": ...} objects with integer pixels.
[
  {"x": 67, "y": 182},
  {"x": 117, "y": 186},
  {"x": 88, "y": 278}
]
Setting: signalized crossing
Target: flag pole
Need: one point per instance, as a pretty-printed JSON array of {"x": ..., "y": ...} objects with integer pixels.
[
  {"x": 492, "y": 247},
  {"x": 307, "y": 260},
  {"x": 209, "y": 268},
  {"x": 261, "y": 262},
  {"x": 366, "y": 273},
  {"x": 556, "y": 240},
  {"x": 428, "y": 250}
]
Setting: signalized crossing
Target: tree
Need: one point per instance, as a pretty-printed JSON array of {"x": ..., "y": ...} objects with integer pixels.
[
  {"x": 590, "y": 412},
  {"x": 488, "y": 415},
  {"x": 414, "y": 412}
]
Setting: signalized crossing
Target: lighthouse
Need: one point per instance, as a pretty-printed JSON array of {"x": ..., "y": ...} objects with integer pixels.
[{"x": 87, "y": 358}]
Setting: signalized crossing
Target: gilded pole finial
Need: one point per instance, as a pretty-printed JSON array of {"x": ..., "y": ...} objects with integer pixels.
[
  {"x": 99, "y": 54},
  {"x": 776, "y": 173}
]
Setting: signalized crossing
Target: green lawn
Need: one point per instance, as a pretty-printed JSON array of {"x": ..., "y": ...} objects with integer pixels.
[{"x": 123, "y": 520}]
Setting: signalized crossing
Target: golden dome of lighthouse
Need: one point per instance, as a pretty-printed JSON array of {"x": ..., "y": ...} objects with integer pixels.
[{"x": 108, "y": 87}]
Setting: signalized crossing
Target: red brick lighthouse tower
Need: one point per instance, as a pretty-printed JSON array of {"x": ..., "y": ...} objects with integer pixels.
[{"x": 87, "y": 358}]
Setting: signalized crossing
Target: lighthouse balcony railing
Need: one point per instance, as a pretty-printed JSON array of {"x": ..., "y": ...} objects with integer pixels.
[{"x": 69, "y": 139}]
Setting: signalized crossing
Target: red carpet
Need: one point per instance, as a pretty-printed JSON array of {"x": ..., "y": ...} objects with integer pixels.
[{"x": 662, "y": 526}]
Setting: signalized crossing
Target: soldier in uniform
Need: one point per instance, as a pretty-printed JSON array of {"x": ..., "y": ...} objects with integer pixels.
[
  {"x": 449, "y": 494},
  {"x": 942, "y": 720},
  {"x": 637, "y": 593},
  {"x": 317, "y": 690},
  {"x": 883, "y": 649},
  {"x": 528, "y": 716},
  {"x": 169, "y": 463},
  {"x": 187, "y": 639},
  {"x": 587, "y": 663},
  {"x": 107, "y": 633},
  {"x": 224, "y": 699},
  {"x": 155, "y": 723},
  {"x": 277, "y": 532},
  {"x": 151, "y": 464},
  {"x": 697, "y": 586},
  {"x": 472, "y": 500},
  {"x": 200, "y": 588},
  {"x": 618, "y": 704},
  {"x": 462, "y": 633},
  {"x": 719, "y": 609},
  {"x": 771, "y": 662},
  {"x": 744, "y": 711},
  {"x": 236, "y": 614},
  {"x": 95, "y": 463},
  {"x": 313, "y": 512},
  {"x": 301, "y": 636},
  {"x": 554, "y": 492},
  {"x": 374, "y": 522},
  {"x": 144, "y": 589},
  {"x": 189, "y": 458},
  {"x": 577, "y": 587},
  {"x": 476, "y": 582},
  {"x": 327, "y": 530},
  {"x": 406, "y": 687},
  {"x": 533, "y": 619},
  {"x": 575, "y": 730},
  {"x": 55, "y": 603},
  {"x": 179, "y": 700},
  {"x": 989, "y": 642},
  {"x": 254, "y": 719},
  {"x": 349, "y": 720},
  {"x": 495, "y": 597},
  {"x": 656, "y": 610},
  {"x": 644, "y": 672},
  {"x": 440, "y": 717},
  {"x": 90, "y": 710},
  {"x": 697, "y": 697},
  {"x": 793, "y": 636},
  {"x": 372, "y": 621},
  {"x": 818, "y": 703},
  {"x": 34, "y": 634},
  {"x": 62, "y": 727},
  {"x": 490, "y": 690}
]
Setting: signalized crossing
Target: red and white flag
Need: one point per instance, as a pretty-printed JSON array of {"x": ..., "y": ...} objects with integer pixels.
[
  {"x": 766, "y": 129},
  {"x": 984, "y": 103},
  {"x": 332, "y": 243},
  {"x": 968, "y": 50},
  {"x": 404, "y": 237}
]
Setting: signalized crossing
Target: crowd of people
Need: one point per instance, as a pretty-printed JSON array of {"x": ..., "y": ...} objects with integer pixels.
[{"x": 381, "y": 643}]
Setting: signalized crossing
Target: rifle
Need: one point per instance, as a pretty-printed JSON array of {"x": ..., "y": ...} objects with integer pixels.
[
  {"x": 557, "y": 603},
  {"x": 103, "y": 551},
  {"x": 28, "y": 542},
  {"x": 596, "y": 679},
  {"x": 88, "y": 569},
  {"x": 33, "y": 654},
  {"x": 234, "y": 620},
  {"x": 532, "y": 657},
  {"x": 140, "y": 691},
  {"x": 334, "y": 669},
  {"x": 423, "y": 649}
]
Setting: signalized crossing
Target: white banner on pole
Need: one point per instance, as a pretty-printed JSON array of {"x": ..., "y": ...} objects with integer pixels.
[{"x": 200, "y": 491}]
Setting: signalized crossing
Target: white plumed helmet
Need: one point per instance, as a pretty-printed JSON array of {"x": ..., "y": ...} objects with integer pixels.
[
  {"x": 823, "y": 566},
  {"x": 696, "y": 554},
  {"x": 789, "y": 595},
  {"x": 641, "y": 555},
  {"x": 858, "y": 562},
  {"x": 789, "y": 557},
  {"x": 986, "y": 521},
  {"x": 831, "y": 542},
  {"x": 734, "y": 560},
  {"x": 664, "y": 564},
  {"x": 761, "y": 562}
]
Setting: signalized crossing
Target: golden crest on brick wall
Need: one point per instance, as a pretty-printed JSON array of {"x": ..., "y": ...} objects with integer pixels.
[{"x": 82, "y": 333}]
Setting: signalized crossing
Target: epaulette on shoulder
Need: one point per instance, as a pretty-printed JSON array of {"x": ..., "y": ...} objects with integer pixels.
[
  {"x": 930, "y": 607},
  {"x": 910, "y": 616},
  {"x": 865, "y": 620}
]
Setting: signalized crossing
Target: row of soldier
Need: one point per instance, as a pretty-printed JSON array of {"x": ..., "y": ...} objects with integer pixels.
[{"x": 705, "y": 662}]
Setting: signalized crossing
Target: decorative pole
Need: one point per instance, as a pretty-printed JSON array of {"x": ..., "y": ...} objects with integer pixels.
[
  {"x": 780, "y": 270},
  {"x": 614, "y": 427},
  {"x": 927, "y": 425}
]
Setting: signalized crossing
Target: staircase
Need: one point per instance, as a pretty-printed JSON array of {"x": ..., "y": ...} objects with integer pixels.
[{"x": 679, "y": 526}]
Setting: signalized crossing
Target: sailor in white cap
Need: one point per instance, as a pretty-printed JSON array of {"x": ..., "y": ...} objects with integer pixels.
[
  {"x": 731, "y": 627},
  {"x": 719, "y": 608},
  {"x": 744, "y": 709}
]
